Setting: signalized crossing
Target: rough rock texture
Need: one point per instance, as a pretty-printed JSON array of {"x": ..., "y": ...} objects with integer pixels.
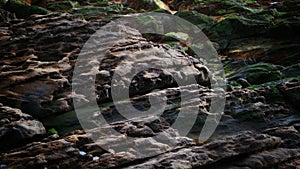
[
  {"x": 146, "y": 5},
  {"x": 289, "y": 135},
  {"x": 42, "y": 75},
  {"x": 37, "y": 61},
  {"x": 291, "y": 92},
  {"x": 244, "y": 143},
  {"x": 257, "y": 109},
  {"x": 6, "y": 16},
  {"x": 17, "y": 127},
  {"x": 38, "y": 154},
  {"x": 257, "y": 73},
  {"x": 37, "y": 74},
  {"x": 268, "y": 159},
  {"x": 77, "y": 151}
]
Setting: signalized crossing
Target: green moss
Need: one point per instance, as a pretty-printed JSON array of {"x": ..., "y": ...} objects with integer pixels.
[
  {"x": 89, "y": 12},
  {"x": 274, "y": 96},
  {"x": 150, "y": 24},
  {"x": 102, "y": 3},
  {"x": 230, "y": 6},
  {"x": 201, "y": 20},
  {"x": 109, "y": 11},
  {"x": 22, "y": 10},
  {"x": 223, "y": 28},
  {"x": 173, "y": 43},
  {"x": 257, "y": 73},
  {"x": 61, "y": 6},
  {"x": 144, "y": 1},
  {"x": 160, "y": 4},
  {"x": 229, "y": 68},
  {"x": 178, "y": 35},
  {"x": 235, "y": 84},
  {"x": 224, "y": 11},
  {"x": 52, "y": 131},
  {"x": 263, "y": 76},
  {"x": 162, "y": 11},
  {"x": 253, "y": 87},
  {"x": 237, "y": 25},
  {"x": 291, "y": 71}
]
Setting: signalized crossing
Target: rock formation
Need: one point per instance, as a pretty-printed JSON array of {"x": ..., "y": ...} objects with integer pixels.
[{"x": 257, "y": 42}]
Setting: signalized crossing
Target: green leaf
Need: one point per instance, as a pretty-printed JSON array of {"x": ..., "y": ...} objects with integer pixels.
[{"x": 52, "y": 131}]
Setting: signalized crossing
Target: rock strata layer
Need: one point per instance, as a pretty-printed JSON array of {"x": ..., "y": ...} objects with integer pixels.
[
  {"x": 17, "y": 127},
  {"x": 246, "y": 149},
  {"x": 259, "y": 129}
]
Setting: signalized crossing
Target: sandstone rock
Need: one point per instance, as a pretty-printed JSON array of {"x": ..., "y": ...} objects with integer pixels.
[
  {"x": 17, "y": 127},
  {"x": 57, "y": 153},
  {"x": 229, "y": 147},
  {"x": 267, "y": 159},
  {"x": 289, "y": 135},
  {"x": 37, "y": 62},
  {"x": 40, "y": 83},
  {"x": 77, "y": 150},
  {"x": 290, "y": 91},
  {"x": 42, "y": 75},
  {"x": 254, "y": 109}
]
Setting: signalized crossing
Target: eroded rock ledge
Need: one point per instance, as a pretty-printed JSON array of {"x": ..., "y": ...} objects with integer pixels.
[
  {"x": 77, "y": 150},
  {"x": 37, "y": 60},
  {"x": 39, "y": 56},
  {"x": 17, "y": 127}
]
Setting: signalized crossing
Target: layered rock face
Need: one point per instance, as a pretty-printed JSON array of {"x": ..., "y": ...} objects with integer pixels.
[
  {"x": 245, "y": 150},
  {"x": 37, "y": 62},
  {"x": 259, "y": 127},
  {"x": 37, "y": 74},
  {"x": 17, "y": 127}
]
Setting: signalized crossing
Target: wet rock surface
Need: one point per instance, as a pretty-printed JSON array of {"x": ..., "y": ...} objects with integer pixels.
[{"x": 256, "y": 40}]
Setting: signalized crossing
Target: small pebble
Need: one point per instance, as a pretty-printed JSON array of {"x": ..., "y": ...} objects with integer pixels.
[
  {"x": 82, "y": 153},
  {"x": 274, "y": 3},
  {"x": 96, "y": 158}
]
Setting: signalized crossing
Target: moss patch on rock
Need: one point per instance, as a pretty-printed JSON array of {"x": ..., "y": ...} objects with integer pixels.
[
  {"x": 257, "y": 73},
  {"x": 23, "y": 10},
  {"x": 201, "y": 20}
]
